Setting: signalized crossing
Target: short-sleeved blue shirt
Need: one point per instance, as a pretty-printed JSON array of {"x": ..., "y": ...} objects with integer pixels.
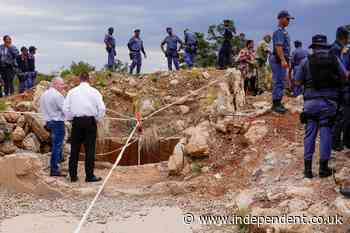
[
  {"x": 298, "y": 55},
  {"x": 171, "y": 42},
  {"x": 135, "y": 44},
  {"x": 190, "y": 38},
  {"x": 281, "y": 38}
]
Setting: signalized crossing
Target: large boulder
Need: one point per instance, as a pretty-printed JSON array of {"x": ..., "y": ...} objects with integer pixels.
[
  {"x": 11, "y": 117},
  {"x": 197, "y": 146},
  {"x": 21, "y": 173},
  {"x": 21, "y": 122},
  {"x": 18, "y": 134},
  {"x": 36, "y": 123},
  {"x": 8, "y": 147},
  {"x": 146, "y": 106},
  {"x": 223, "y": 103},
  {"x": 31, "y": 143},
  {"x": 177, "y": 160},
  {"x": 236, "y": 81},
  {"x": 24, "y": 106},
  {"x": 39, "y": 90}
]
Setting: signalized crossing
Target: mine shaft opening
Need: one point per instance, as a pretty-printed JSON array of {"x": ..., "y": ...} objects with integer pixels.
[{"x": 163, "y": 150}]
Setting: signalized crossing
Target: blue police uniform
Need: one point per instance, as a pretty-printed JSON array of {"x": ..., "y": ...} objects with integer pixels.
[
  {"x": 8, "y": 62},
  {"x": 171, "y": 50},
  {"x": 280, "y": 38},
  {"x": 346, "y": 96},
  {"x": 32, "y": 71},
  {"x": 191, "y": 48},
  {"x": 225, "y": 52},
  {"x": 298, "y": 55},
  {"x": 321, "y": 107},
  {"x": 24, "y": 75},
  {"x": 135, "y": 46},
  {"x": 110, "y": 47},
  {"x": 338, "y": 128}
]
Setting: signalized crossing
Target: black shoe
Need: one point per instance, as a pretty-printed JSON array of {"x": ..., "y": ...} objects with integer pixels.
[
  {"x": 338, "y": 147},
  {"x": 277, "y": 107},
  {"x": 345, "y": 192},
  {"x": 93, "y": 179},
  {"x": 325, "y": 171},
  {"x": 74, "y": 179},
  {"x": 308, "y": 169},
  {"x": 57, "y": 174}
]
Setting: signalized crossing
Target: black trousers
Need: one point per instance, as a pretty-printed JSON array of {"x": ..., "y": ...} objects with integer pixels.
[
  {"x": 7, "y": 74},
  {"x": 338, "y": 129},
  {"x": 346, "y": 133},
  {"x": 225, "y": 57},
  {"x": 84, "y": 132}
]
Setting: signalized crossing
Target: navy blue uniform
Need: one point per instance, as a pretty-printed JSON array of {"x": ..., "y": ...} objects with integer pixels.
[
  {"x": 172, "y": 50},
  {"x": 191, "y": 48},
  {"x": 24, "y": 75},
  {"x": 280, "y": 38},
  {"x": 338, "y": 129},
  {"x": 322, "y": 105},
  {"x": 225, "y": 53},
  {"x": 346, "y": 97},
  {"x": 135, "y": 46},
  {"x": 110, "y": 47},
  {"x": 298, "y": 55},
  {"x": 8, "y": 58}
]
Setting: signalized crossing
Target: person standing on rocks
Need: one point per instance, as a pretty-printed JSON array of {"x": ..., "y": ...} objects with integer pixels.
[
  {"x": 172, "y": 50},
  {"x": 322, "y": 75},
  {"x": 247, "y": 66},
  {"x": 226, "y": 52},
  {"x": 110, "y": 47},
  {"x": 23, "y": 67},
  {"x": 190, "y": 48},
  {"x": 84, "y": 106},
  {"x": 135, "y": 46},
  {"x": 8, "y": 56},
  {"x": 280, "y": 61},
  {"x": 262, "y": 54},
  {"x": 32, "y": 71},
  {"x": 298, "y": 55},
  {"x": 51, "y": 106},
  {"x": 338, "y": 49}
]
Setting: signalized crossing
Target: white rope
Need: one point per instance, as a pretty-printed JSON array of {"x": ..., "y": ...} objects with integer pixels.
[
  {"x": 87, "y": 212},
  {"x": 40, "y": 114}
]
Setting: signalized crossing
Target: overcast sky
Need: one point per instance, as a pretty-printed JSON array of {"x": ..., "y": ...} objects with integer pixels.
[{"x": 66, "y": 31}]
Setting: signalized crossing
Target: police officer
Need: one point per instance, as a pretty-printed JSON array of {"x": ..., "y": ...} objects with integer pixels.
[
  {"x": 191, "y": 48},
  {"x": 225, "y": 52},
  {"x": 135, "y": 46},
  {"x": 32, "y": 69},
  {"x": 346, "y": 133},
  {"x": 337, "y": 49},
  {"x": 298, "y": 55},
  {"x": 172, "y": 50},
  {"x": 8, "y": 56},
  {"x": 280, "y": 60},
  {"x": 23, "y": 67},
  {"x": 322, "y": 75},
  {"x": 110, "y": 47},
  {"x": 262, "y": 54}
]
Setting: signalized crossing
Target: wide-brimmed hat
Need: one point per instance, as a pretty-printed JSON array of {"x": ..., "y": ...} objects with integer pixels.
[{"x": 319, "y": 41}]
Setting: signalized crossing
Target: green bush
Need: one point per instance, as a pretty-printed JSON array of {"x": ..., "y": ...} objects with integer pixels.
[
  {"x": 79, "y": 68},
  {"x": 65, "y": 73},
  {"x": 44, "y": 77}
]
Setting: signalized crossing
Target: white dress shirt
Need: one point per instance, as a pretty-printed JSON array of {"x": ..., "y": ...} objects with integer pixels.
[
  {"x": 51, "y": 105},
  {"x": 84, "y": 100}
]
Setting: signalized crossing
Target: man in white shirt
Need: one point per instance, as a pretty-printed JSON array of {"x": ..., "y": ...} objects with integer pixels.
[
  {"x": 84, "y": 107},
  {"x": 51, "y": 106}
]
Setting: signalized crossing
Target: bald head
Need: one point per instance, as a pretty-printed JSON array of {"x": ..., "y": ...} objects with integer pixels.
[{"x": 58, "y": 84}]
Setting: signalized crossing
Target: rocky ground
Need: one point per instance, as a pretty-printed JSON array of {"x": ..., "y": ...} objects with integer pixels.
[{"x": 232, "y": 156}]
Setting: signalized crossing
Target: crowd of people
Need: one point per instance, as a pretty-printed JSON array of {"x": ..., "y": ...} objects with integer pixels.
[
  {"x": 322, "y": 77},
  {"x": 16, "y": 64}
]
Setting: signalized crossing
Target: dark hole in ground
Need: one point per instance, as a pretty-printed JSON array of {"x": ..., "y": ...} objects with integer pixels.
[{"x": 130, "y": 157}]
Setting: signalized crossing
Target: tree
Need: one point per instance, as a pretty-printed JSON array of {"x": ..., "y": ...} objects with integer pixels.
[{"x": 206, "y": 51}]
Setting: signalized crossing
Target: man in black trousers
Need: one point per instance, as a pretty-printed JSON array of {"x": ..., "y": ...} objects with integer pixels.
[{"x": 84, "y": 106}]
